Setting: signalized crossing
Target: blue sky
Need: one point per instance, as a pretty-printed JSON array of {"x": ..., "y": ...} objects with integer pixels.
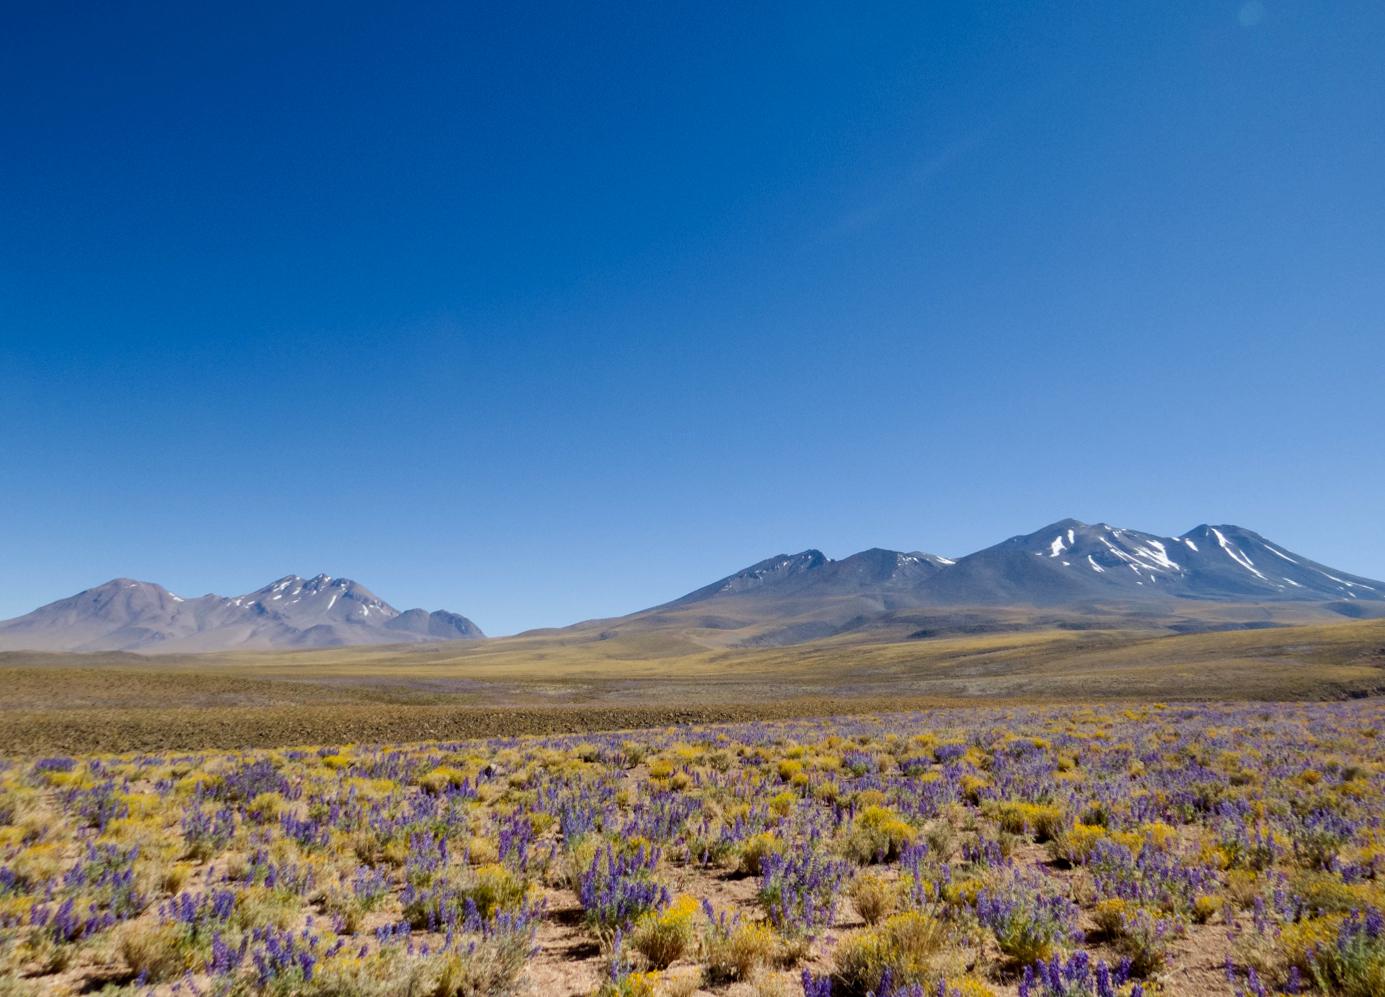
[{"x": 540, "y": 314}]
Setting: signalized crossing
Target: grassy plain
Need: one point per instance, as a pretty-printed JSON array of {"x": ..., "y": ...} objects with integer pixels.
[{"x": 566, "y": 681}]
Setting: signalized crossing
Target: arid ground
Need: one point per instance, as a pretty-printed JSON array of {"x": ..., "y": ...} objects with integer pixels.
[
  {"x": 1186, "y": 849},
  {"x": 555, "y": 682}
]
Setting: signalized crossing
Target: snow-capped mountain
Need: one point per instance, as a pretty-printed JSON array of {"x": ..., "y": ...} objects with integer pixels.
[
  {"x": 128, "y": 615},
  {"x": 1066, "y": 574},
  {"x": 1072, "y": 562}
]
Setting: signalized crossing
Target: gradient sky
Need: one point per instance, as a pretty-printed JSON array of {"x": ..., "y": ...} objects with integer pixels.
[{"x": 539, "y": 314}]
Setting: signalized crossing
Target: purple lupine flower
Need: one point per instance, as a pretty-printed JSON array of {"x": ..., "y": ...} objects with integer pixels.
[
  {"x": 617, "y": 888},
  {"x": 799, "y": 890}
]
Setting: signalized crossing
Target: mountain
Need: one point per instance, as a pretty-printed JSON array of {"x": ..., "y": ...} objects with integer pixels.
[
  {"x": 1068, "y": 574},
  {"x": 291, "y": 612},
  {"x": 791, "y": 598},
  {"x": 1073, "y": 563},
  {"x": 437, "y": 625},
  {"x": 815, "y": 575}
]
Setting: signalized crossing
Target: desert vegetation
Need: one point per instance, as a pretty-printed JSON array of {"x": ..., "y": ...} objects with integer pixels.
[
  {"x": 559, "y": 683},
  {"x": 1041, "y": 851}
]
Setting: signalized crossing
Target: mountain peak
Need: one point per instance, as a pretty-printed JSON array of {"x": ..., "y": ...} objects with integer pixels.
[
  {"x": 296, "y": 584},
  {"x": 126, "y": 583},
  {"x": 1225, "y": 529},
  {"x": 777, "y": 567},
  {"x": 772, "y": 572},
  {"x": 128, "y": 588},
  {"x": 1064, "y": 524}
]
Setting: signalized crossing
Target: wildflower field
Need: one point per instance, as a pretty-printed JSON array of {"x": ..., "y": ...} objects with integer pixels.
[{"x": 1083, "y": 850}]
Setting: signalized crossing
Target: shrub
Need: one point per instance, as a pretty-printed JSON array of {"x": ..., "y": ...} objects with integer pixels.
[
  {"x": 630, "y": 985},
  {"x": 872, "y": 897},
  {"x": 682, "y": 983},
  {"x": 1354, "y": 964},
  {"x": 13, "y": 986},
  {"x": 249, "y": 780},
  {"x": 942, "y": 839},
  {"x": 265, "y": 807},
  {"x": 1151, "y": 877},
  {"x": 665, "y": 937},
  {"x": 1109, "y": 915},
  {"x": 172, "y": 878},
  {"x": 632, "y": 753},
  {"x": 577, "y": 860},
  {"x": 734, "y": 950},
  {"x": 155, "y": 951},
  {"x": 1205, "y": 908},
  {"x": 482, "y": 851},
  {"x": 1272, "y": 814},
  {"x": 902, "y": 950},
  {"x": 1074, "y": 845},
  {"x": 1319, "y": 837},
  {"x": 782, "y": 803},
  {"x": 346, "y": 911},
  {"x": 495, "y": 888},
  {"x": 1144, "y": 939},
  {"x": 280, "y": 964},
  {"x": 1028, "y": 926},
  {"x": 1299, "y": 940},
  {"x": 1318, "y": 893},
  {"x": 878, "y": 834},
  {"x": 1042, "y": 820},
  {"x": 485, "y": 891},
  {"x": 1157, "y": 834},
  {"x": 1257, "y": 847},
  {"x": 37, "y": 864},
  {"x": 755, "y": 850},
  {"x": 488, "y": 967},
  {"x": 968, "y": 986}
]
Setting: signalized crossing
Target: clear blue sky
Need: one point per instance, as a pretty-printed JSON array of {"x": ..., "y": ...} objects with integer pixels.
[{"x": 544, "y": 313}]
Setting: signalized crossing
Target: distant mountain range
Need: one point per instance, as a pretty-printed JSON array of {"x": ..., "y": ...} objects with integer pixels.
[
  {"x": 1068, "y": 574},
  {"x": 292, "y": 612}
]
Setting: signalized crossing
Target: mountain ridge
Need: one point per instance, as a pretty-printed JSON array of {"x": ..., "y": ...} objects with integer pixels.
[
  {"x": 1221, "y": 562},
  {"x": 125, "y": 614},
  {"x": 1067, "y": 574}
]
